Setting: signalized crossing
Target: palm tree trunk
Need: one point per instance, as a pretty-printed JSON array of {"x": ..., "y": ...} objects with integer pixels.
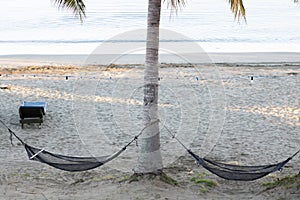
[{"x": 149, "y": 158}]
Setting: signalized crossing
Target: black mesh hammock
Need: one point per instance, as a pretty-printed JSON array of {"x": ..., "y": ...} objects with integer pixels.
[
  {"x": 239, "y": 172},
  {"x": 226, "y": 171},
  {"x": 235, "y": 172},
  {"x": 68, "y": 163}
]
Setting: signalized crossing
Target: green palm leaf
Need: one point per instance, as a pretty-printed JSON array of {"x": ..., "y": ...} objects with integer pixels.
[
  {"x": 176, "y": 3},
  {"x": 77, "y": 6},
  {"x": 237, "y": 8}
]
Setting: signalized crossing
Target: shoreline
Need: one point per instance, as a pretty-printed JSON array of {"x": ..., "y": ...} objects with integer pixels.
[{"x": 250, "y": 58}]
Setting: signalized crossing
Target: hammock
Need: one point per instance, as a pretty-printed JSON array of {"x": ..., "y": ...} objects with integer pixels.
[
  {"x": 69, "y": 163},
  {"x": 235, "y": 172},
  {"x": 239, "y": 172},
  {"x": 226, "y": 171}
]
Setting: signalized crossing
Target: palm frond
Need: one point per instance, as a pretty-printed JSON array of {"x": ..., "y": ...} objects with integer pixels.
[
  {"x": 237, "y": 7},
  {"x": 77, "y": 6},
  {"x": 175, "y": 4}
]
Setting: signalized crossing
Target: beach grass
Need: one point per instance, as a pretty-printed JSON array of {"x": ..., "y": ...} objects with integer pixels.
[
  {"x": 161, "y": 177},
  {"x": 203, "y": 182},
  {"x": 286, "y": 182}
]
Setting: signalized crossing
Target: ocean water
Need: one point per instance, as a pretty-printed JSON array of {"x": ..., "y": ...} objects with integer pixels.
[{"x": 39, "y": 27}]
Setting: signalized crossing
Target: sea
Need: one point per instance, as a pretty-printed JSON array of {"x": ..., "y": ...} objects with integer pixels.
[{"x": 39, "y": 27}]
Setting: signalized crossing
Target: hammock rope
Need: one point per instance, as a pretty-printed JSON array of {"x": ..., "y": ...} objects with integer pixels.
[
  {"x": 223, "y": 170},
  {"x": 70, "y": 163},
  {"x": 234, "y": 172}
]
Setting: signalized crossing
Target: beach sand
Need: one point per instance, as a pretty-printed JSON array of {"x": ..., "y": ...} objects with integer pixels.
[{"x": 216, "y": 110}]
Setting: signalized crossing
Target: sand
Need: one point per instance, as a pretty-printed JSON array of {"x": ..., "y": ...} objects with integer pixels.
[{"x": 215, "y": 110}]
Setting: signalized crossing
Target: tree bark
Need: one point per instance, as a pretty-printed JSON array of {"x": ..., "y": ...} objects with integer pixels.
[{"x": 149, "y": 157}]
